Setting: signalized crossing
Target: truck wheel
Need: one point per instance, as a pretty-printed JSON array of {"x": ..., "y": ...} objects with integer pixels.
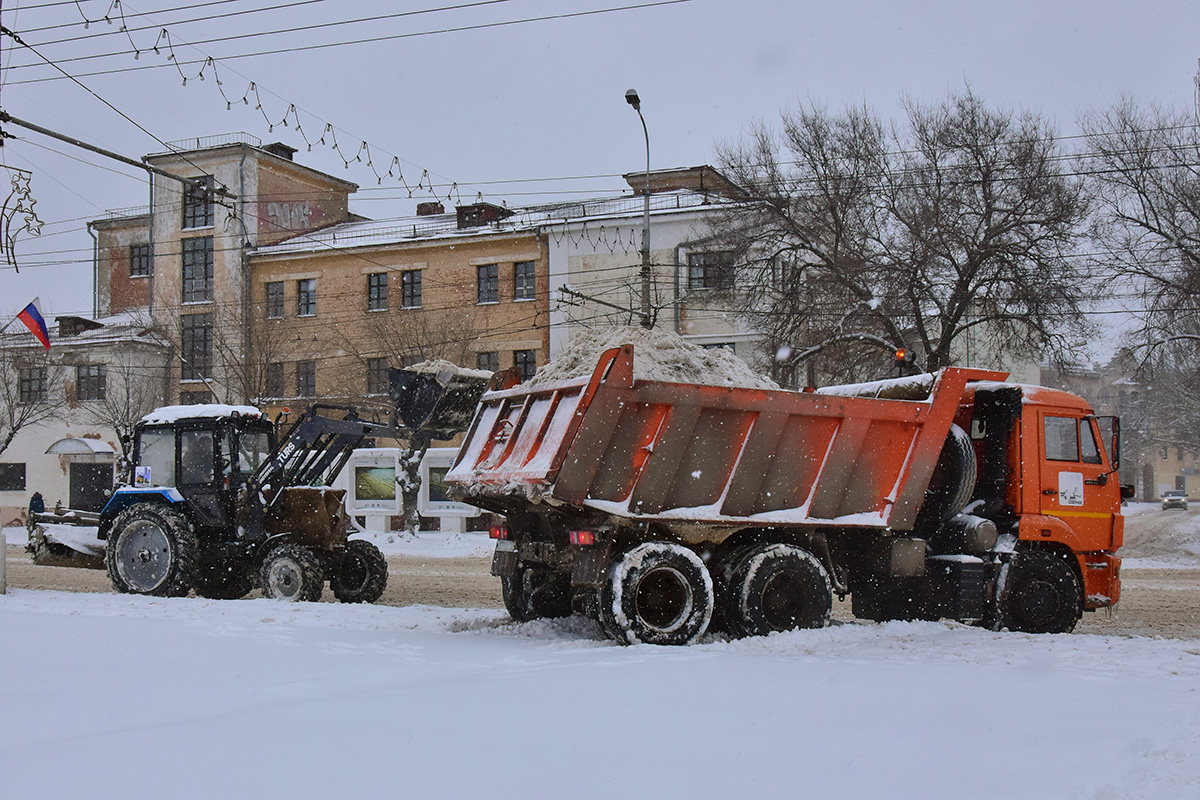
[
  {"x": 536, "y": 593},
  {"x": 777, "y": 587},
  {"x": 362, "y": 574},
  {"x": 231, "y": 583},
  {"x": 151, "y": 550},
  {"x": 656, "y": 593},
  {"x": 292, "y": 572},
  {"x": 1044, "y": 595},
  {"x": 953, "y": 480}
]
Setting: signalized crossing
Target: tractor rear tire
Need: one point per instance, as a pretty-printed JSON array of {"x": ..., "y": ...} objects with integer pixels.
[
  {"x": 1043, "y": 595},
  {"x": 777, "y": 587},
  {"x": 656, "y": 593},
  {"x": 151, "y": 550},
  {"x": 293, "y": 573},
  {"x": 534, "y": 592},
  {"x": 362, "y": 574}
]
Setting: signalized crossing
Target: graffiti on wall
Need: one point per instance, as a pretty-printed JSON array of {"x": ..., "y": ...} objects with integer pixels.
[{"x": 289, "y": 216}]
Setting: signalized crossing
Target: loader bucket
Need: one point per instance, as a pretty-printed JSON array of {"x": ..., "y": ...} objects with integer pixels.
[{"x": 439, "y": 400}]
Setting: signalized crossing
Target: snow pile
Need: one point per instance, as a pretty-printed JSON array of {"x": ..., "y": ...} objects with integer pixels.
[
  {"x": 658, "y": 355},
  {"x": 1160, "y": 539}
]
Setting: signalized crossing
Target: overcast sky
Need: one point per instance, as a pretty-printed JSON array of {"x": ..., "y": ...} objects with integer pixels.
[{"x": 508, "y": 101}]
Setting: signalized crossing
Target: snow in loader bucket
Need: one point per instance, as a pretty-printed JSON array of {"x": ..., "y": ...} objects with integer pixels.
[{"x": 437, "y": 396}]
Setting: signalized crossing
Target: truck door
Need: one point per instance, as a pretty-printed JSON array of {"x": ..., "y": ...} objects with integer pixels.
[{"x": 1075, "y": 485}]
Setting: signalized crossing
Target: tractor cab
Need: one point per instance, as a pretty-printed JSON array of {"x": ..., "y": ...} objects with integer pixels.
[{"x": 205, "y": 453}]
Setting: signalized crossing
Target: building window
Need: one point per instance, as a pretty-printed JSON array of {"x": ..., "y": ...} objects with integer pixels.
[
  {"x": 306, "y": 300},
  {"x": 275, "y": 300},
  {"x": 31, "y": 384},
  {"x": 197, "y": 269},
  {"x": 12, "y": 477},
  {"x": 710, "y": 270},
  {"x": 196, "y": 346},
  {"x": 306, "y": 379},
  {"x": 197, "y": 203},
  {"x": 489, "y": 283},
  {"x": 195, "y": 398},
  {"x": 377, "y": 286},
  {"x": 410, "y": 288},
  {"x": 523, "y": 280},
  {"x": 378, "y": 381},
  {"x": 140, "y": 263},
  {"x": 489, "y": 361},
  {"x": 274, "y": 381},
  {"x": 526, "y": 363},
  {"x": 90, "y": 381}
]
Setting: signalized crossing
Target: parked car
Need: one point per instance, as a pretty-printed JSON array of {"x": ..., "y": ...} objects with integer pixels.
[{"x": 1175, "y": 499}]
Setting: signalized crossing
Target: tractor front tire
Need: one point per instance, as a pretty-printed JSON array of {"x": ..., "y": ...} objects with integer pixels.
[
  {"x": 293, "y": 573},
  {"x": 151, "y": 550},
  {"x": 362, "y": 574}
]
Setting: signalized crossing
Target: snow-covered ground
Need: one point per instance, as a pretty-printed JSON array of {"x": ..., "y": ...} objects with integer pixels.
[{"x": 111, "y": 696}]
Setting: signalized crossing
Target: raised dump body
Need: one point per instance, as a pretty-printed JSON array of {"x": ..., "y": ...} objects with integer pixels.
[
  {"x": 727, "y": 456},
  {"x": 651, "y": 505}
]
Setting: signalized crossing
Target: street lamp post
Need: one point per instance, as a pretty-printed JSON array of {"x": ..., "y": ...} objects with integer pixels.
[{"x": 632, "y": 98}]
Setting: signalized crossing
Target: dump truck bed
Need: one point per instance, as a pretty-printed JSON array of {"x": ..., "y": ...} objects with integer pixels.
[{"x": 651, "y": 450}]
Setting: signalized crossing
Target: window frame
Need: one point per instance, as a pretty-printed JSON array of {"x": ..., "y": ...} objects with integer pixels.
[
  {"x": 410, "y": 288},
  {"x": 141, "y": 261},
  {"x": 377, "y": 291},
  {"x": 710, "y": 270},
  {"x": 196, "y": 255},
  {"x": 31, "y": 385},
  {"x": 487, "y": 284},
  {"x": 91, "y": 381},
  {"x": 197, "y": 203},
  {"x": 378, "y": 376},
  {"x": 306, "y": 378},
  {"x": 492, "y": 357},
  {"x": 274, "y": 299},
  {"x": 524, "y": 281},
  {"x": 13, "y": 479},
  {"x": 526, "y": 363},
  {"x": 273, "y": 379},
  {"x": 195, "y": 354},
  {"x": 306, "y": 297}
]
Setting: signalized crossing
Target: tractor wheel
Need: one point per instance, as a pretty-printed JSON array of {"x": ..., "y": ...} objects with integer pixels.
[
  {"x": 536, "y": 593},
  {"x": 1044, "y": 594},
  {"x": 229, "y": 583},
  {"x": 656, "y": 593},
  {"x": 777, "y": 587},
  {"x": 292, "y": 572},
  {"x": 151, "y": 550},
  {"x": 361, "y": 576}
]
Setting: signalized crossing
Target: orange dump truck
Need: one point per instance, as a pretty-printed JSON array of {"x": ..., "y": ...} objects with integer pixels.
[{"x": 668, "y": 509}]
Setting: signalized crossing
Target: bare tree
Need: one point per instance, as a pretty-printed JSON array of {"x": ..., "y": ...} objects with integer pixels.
[
  {"x": 860, "y": 239},
  {"x": 135, "y": 383},
  {"x": 30, "y": 390}
]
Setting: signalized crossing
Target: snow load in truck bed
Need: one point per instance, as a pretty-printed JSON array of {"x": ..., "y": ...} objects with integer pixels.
[{"x": 659, "y": 355}]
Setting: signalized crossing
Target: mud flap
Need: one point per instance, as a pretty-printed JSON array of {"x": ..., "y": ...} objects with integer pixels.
[{"x": 504, "y": 560}]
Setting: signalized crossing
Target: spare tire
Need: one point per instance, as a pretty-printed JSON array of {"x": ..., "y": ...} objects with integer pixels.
[{"x": 952, "y": 482}]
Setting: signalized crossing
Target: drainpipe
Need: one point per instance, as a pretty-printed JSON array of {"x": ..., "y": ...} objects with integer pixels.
[
  {"x": 96, "y": 274},
  {"x": 243, "y": 250}
]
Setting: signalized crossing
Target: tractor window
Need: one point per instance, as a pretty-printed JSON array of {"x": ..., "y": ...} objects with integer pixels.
[
  {"x": 1062, "y": 439},
  {"x": 254, "y": 448},
  {"x": 156, "y": 452},
  {"x": 196, "y": 461}
]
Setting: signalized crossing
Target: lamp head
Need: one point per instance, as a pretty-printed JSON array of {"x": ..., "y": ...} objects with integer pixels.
[{"x": 632, "y": 98}]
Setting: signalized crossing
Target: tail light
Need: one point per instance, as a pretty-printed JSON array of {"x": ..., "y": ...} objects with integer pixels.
[
  {"x": 499, "y": 532},
  {"x": 582, "y": 537}
]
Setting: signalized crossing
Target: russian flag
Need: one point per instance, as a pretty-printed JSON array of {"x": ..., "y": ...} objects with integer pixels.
[{"x": 31, "y": 315}]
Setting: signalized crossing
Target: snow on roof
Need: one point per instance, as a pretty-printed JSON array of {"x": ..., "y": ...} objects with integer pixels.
[
  {"x": 169, "y": 414},
  {"x": 443, "y": 226},
  {"x": 658, "y": 355}
]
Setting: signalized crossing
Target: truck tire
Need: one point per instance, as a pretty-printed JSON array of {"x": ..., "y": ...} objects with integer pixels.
[
  {"x": 151, "y": 550},
  {"x": 230, "y": 583},
  {"x": 953, "y": 480},
  {"x": 656, "y": 593},
  {"x": 1044, "y": 594},
  {"x": 292, "y": 572},
  {"x": 777, "y": 587},
  {"x": 362, "y": 574},
  {"x": 534, "y": 592}
]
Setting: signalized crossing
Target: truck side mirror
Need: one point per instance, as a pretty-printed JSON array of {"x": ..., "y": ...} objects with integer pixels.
[{"x": 1128, "y": 490}]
